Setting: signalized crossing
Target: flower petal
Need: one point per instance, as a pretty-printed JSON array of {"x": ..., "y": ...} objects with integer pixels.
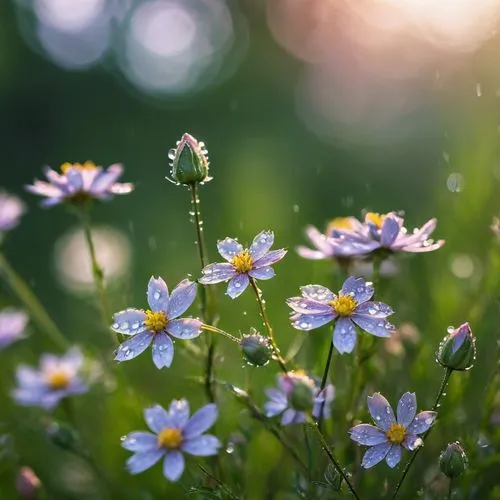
[
  {"x": 394, "y": 456},
  {"x": 317, "y": 292},
  {"x": 129, "y": 321},
  {"x": 141, "y": 461},
  {"x": 178, "y": 413},
  {"x": 379, "y": 327},
  {"x": 360, "y": 289},
  {"x": 105, "y": 179},
  {"x": 263, "y": 273},
  {"x": 367, "y": 434},
  {"x": 173, "y": 465},
  {"x": 273, "y": 408},
  {"x": 157, "y": 294},
  {"x": 201, "y": 446},
  {"x": 374, "y": 309},
  {"x": 306, "y": 322},
  {"x": 390, "y": 231},
  {"x": 270, "y": 258},
  {"x": 157, "y": 418},
  {"x": 407, "y": 408},
  {"x": 75, "y": 180},
  {"x": 289, "y": 416},
  {"x": 422, "y": 422},
  {"x": 215, "y": 273},
  {"x": 375, "y": 455},
  {"x": 202, "y": 420},
  {"x": 41, "y": 188},
  {"x": 181, "y": 298},
  {"x": 134, "y": 346},
  {"x": 308, "y": 306},
  {"x": 381, "y": 411},
  {"x": 344, "y": 335},
  {"x": 163, "y": 350},
  {"x": 307, "y": 253},
  {"x": 140, "y": 441},
  {"x": 238, "y": 285},
  {"x": 184, "y": 328},
  {"x": 412, "y": 442},
  {"x": 261, "y": 244},
  {"x": 229, "y": 248}
]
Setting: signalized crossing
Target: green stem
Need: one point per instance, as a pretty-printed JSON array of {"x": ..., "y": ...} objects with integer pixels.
[
  {"x": 323, "y": 383},
  {"x": 377, "y": 264},
  {"x": 450, "y": 489},
  {"x": 408, "y": 465},
  {"x": 331, "y": 457},
  {"x": 38, "y": 313},
  {"x": 214, "y": 329},
  {"x": 267, "y": 324}
]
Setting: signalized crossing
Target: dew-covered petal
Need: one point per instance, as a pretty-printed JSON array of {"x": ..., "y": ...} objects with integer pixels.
[
  {"x": 129, "y": 321},
  {"x": 407, "y": 408},
  {"x": 306, "y": 322},
  {"x": 184, "y": 328},
  {"x": 394, "y": 456},
  {"x": 163, "y": 351},
  {"x": 420, "y": 235},
  {"x": 261, "y": 244},
  {"x": 238, "y": 285},
  {"x": 374, "y": 309},
  {"x": 360, "y": 289},
  {"x": 412, "y": 442},
  {"x": 423, "y": 247},
  {"x": 157, "y": 294},
  {"x": 381, "y": 411},
  {"x": 390, "y": 231},
  {"x": 173, "y": 465},
  {"x": 157, "y": 418},
  {"x": 375, "y": 455},
  {"x": 215, "y": 273},
  {"x": 181, "y": 298},
  {"x": 202, "y": 420},
  {"x": 270, "y": 258},
  {"x": 367, "y": 434},
  {"x": 134, "y": 346},
  {"x": 317, "y": 292},
  {"x": 379, "y": 327},
  {"x": 201, "y": 446},
  {"x": 308, "y": 306},
  {"x": 178, "y": 412},
  {"x": 319, "y": 240},
  {"x": 422, "y": 422},
  {"x": 263, "y": 273},
  {"x": 139, "y": 441},
  {"x": 229, "y": 248},
  {"x": 344, "y": 335},
  {"x": 141, "y": 461}
]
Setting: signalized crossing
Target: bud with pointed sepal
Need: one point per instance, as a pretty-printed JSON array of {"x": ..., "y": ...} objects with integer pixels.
[
  {"x": 256, "y": 349},
  {"x": 457, "y": 351},
  {"x": 189, "y": 161},
  {"x": 453, "y": 461}
]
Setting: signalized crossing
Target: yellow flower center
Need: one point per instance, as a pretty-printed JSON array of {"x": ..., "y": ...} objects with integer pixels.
[
  {"x": 170, "y": 438},
  {"x": 88, "y": 165},
  {"x": 58, "y": 380},
  {"x": 339, "y": 223},
  {"x": 155, "y": 321},
  {"x": 376, "y": 219},
  {"x": 396, "y": 433},
  {"x": 344, "y": 305},
  {"x": 242, "y": 262}
]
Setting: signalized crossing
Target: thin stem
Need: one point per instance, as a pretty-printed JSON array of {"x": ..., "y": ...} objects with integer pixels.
[
  {"x": 38, "y": 313},
  {"x": 323, "y": 383},
  {"x": 226, "y": 490},
  {"x": 333, "y": 460},
  {"x": 214, "y": 329},
  {"x": 408, "y": 465},
  {"x": 450, "y": 489},
  {"x": 267, "y": 324}
]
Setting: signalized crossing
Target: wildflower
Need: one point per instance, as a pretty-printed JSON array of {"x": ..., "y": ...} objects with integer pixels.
[
  {"x": 453, "y": 461},
  {"x": 352, "y": 306},
  {"x": 28, "y": 485},
  {"x": 58, "y": 377},
  {"x": 390, "y": 435},
  {"x": 174, "y": 433},
  {"x": 79, "y": 183},
  {"x": 158, "y": 324},
  {"x": 457, "y": 351},
  {"x": 11, "y": 210},
  {"x": 243, "y": 263},
  {"x": 189, "y": 161},
  {"x": 12, "y": 325},
  {"x": 296, "y": 395}
]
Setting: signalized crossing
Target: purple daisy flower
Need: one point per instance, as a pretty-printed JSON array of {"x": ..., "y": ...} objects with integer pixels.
[
  {"x": 79, "y": 183},
  {"x": 11, "y": 210},
  {"x": 280, "y": 400},
  {"x": 173, "y": 432},
  {"x": 319, "y": 305},
  {"x": 243, "y": 263},
  {"x": 158, "y": 324},
  {"x": 390, "y": 435},
  {"x": 58, "y": 377},
  {"x": 12, "y": 325}
]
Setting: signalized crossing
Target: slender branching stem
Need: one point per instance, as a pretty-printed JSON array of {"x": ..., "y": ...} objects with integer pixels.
[
  {"x": 214, "y": 329},
  {"x": 323, "y": 383},
  {"x": 450, "y": 489}
]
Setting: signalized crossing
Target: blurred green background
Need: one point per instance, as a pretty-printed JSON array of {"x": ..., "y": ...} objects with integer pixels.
[{"x": 275, "y": 165}]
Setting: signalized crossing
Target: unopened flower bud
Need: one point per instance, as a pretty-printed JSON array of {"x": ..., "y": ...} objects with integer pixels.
[
  {"x": 189, "y": 161},
  {"x": 256, "y": 349},
  {"x": 301, "y": 397},
  {"x": 63, "y": 435},
  {"x": 453, "y": 461},
  {"x": 27, "y": 484},
  {"x": 458, "y": 350}
]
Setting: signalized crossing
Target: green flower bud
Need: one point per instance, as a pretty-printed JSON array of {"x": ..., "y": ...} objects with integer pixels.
[
  {"x": 457, "y": 351},
  {"x": 256, "y": 349},
  {"x": 63, "y": 435},
  {"x": 189, "y": 161},
  {"x": 453, "y": 460},
  {"x": 301, "y": 397}
]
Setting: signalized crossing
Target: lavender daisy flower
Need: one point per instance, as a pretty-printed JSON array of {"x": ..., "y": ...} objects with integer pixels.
[
  {"x": 11, "y": 210},
  {"x": 243, "y": 263},
  {"x": 390, "y": 435},
  {"x": 58, "y": 377},
  {"x": 318, "y": 306},
  {"x": 158, "y": 324},
  {"x": 174, "y": 433},
  {"x": 12, "y": 325},
  {"x": 295, "y": 388},
  {"x": 79, "y": 184}
]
